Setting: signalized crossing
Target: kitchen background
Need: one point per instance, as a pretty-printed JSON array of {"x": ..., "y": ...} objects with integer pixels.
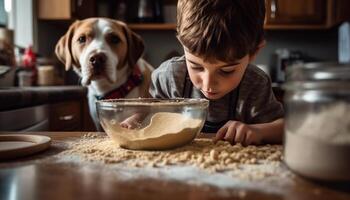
[
  {"x": 296, "y": 31},
  {"x": 308, "y": 27}
]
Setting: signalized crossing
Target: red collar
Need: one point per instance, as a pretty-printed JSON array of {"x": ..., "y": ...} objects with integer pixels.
[{"x": 134, "y": 80}]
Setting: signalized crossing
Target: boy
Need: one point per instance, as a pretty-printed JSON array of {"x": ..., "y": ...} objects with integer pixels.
[{"x": 220, "y": 38}]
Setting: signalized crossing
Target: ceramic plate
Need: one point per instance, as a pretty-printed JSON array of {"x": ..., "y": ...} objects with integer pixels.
[{"x": 15, "y": 145}]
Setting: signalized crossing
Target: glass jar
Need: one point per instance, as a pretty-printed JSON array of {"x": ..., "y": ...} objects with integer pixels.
[{"x": 317, "y": 121}]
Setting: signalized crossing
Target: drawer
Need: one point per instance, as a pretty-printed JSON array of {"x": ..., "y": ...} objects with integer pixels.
[
  {"x": 24, "y": 119},
  {"x": 66, "y": 116}
]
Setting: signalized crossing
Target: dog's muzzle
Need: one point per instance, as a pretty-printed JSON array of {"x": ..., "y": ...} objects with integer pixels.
[{"x": 98, "y": 61}]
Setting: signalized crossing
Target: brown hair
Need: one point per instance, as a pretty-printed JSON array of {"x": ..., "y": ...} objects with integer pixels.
[{"x": 224, "y": 30}]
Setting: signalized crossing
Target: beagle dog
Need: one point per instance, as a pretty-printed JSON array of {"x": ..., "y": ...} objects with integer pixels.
[{"x": 106, "y": 55}]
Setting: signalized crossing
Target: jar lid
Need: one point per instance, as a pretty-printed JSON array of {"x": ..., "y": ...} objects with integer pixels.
[
  {"x": 318, "y": 72},
  {"x": 326, "y": 76}
]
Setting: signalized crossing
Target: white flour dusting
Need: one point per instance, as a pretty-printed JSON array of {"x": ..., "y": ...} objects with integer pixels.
[{"x": 200, "y": 161}]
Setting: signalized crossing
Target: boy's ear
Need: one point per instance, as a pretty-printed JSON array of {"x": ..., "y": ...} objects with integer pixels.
[{"x": 253, "y": 55}]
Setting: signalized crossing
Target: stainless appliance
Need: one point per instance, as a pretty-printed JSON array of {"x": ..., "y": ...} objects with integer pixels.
[
  {"x": 35, "y": 118},
  {"x": 285, "y": 58},
  {"x": 344, "y": 43}
]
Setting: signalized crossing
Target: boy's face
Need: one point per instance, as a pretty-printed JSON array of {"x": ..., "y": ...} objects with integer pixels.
[{"x": 215, "y": 79}]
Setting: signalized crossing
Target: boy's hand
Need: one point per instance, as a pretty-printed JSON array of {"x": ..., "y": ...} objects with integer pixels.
[
  {"x": 131, "y": 122},
  {"x": 238, "y": 132}
]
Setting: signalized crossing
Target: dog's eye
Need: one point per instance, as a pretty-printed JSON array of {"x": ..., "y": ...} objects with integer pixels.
[
  {"x": 82, "y": 39},
  {"x": 114, "y": 39}
]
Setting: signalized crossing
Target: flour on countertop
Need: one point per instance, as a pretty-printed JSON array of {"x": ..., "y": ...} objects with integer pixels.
[{"x": 245, "y": 163}]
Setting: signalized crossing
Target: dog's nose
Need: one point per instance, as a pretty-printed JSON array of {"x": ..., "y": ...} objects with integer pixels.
[{"x": 98, "y": 60}]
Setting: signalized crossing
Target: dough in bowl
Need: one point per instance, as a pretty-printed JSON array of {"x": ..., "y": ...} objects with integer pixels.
[{"x": 165, "y": 131}]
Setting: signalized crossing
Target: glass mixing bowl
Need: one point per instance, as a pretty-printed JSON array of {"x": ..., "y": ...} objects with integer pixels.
[{"x": 152, "y": 124}]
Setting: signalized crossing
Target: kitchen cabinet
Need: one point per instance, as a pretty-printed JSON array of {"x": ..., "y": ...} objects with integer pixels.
[
  {"x": 286, "y": 14},
  {"x": 295, "y": 11},
  {"x": 62, "y": 116},
  {"x": 32, "y": 118},
  {"x": 51, "y": 108},
  {"x": 153, "y": 26},
  {"x": 305, "y": 14},
  {"x": 70, "y": 116},
  {"x": 66, "y": 116},
  {"x": 280, "y": 14},
  {"x": 65, "y": 9},
  {"x": 169, "y": 18}
]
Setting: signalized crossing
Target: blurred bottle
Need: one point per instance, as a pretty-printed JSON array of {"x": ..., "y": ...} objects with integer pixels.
[
  {"x": 145, "y": 11},
  {"x": 149, "y": 11},
  {"x": 158, "y": 11},
  {"x": 121, "y": 10},
  {"x": 29, "y": 64}
]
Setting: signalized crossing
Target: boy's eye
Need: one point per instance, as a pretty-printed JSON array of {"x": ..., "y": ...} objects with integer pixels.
[
  {"x": 197, "y": 68},
  {"x": 227, "y": 71}
]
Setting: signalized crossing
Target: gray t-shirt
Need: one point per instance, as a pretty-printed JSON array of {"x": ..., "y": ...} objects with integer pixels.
[{"x": 256, "y": 102}]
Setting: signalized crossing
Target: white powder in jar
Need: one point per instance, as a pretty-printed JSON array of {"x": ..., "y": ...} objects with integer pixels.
[{"x": 331, "y": 124}]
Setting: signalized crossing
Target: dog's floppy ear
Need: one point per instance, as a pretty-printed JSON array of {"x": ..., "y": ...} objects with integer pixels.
[
  {"x": 135, "y": 46},
  {"x": 63, "y": 48}
]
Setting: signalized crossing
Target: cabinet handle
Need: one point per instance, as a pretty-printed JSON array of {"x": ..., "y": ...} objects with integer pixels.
[
  {"x": 66, "y": 117},
  {"x": 273, "y": 8}
]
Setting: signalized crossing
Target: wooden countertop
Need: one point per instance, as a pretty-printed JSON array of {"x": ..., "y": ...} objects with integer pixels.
[{"x": 45, "y": 176}]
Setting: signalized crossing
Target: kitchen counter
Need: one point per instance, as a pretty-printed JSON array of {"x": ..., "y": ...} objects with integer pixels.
[
  {"x": 20, "y": 97},
  {"x": 48, "y": 175}
]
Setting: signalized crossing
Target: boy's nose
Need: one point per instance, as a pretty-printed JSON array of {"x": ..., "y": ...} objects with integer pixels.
[{"x": 208, "y": 83}]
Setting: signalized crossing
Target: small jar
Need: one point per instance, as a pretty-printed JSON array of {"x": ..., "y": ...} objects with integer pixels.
[
  {"x": 46, "y": 75},
  {"x": 25, "y": 78},
  {"x": 317, "y": 121}
]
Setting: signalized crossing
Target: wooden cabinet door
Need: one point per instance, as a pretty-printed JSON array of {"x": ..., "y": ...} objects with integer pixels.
[
  {"x": 54, "y": 9},
  {"x": 66, "y": 116},
  {"x": 296, "y": 12},
  {"x": 65, "y": 9}
]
